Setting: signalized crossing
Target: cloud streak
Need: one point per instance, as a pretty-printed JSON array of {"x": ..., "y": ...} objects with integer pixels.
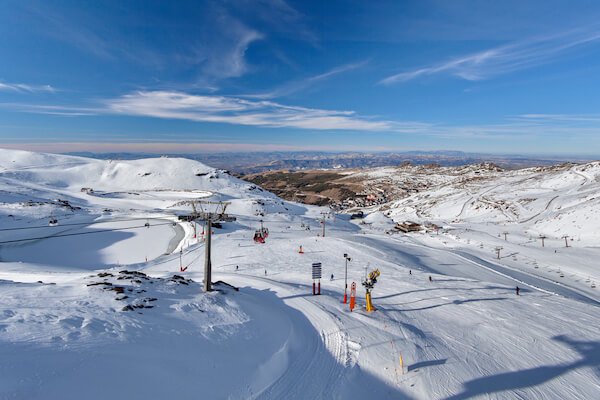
[
  {"x": 270, "y": 114},
  {"x": 233, "y": 110},
  {"x": 300, "y": 85},
  {"x": 25, "y": 88},
  {"x": 224, "y": 55},
  {"x": 504, "y": 59}
]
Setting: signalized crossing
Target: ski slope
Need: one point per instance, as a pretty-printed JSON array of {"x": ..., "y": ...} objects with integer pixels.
[{"x": 110, "y": 313}]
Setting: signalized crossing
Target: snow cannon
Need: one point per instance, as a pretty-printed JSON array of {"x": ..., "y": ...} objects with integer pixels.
[{"x": 369, "y": 284}]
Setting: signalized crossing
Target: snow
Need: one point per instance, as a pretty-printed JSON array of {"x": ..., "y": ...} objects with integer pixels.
[{"x": 112, "y": 314}]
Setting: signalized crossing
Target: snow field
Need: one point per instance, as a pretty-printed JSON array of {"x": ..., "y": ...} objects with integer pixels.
[{"x": 139, "y": 331}]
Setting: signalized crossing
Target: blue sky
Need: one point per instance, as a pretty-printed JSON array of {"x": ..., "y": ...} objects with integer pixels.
[{"x": 176, "y": 76}]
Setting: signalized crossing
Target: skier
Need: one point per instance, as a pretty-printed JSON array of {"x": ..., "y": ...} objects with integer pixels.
[
  {"x": 430, "y": 280},
  {"x": 410, "y": 271},
  {"x": 265, "y": 272},
  {"x": 331, "y": 276},
  {"x": 517, "y": 290},
  {"x": 237, "y": 267}
]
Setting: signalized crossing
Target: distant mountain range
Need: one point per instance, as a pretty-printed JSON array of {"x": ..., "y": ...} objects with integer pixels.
[{"x": 249, "y": 163}]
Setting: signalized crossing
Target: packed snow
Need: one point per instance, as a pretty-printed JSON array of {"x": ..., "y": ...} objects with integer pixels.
[{"x": 107, "y": 301}]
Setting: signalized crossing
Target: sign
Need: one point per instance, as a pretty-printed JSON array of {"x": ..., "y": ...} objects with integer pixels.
[{"x": 316, "y": 270}]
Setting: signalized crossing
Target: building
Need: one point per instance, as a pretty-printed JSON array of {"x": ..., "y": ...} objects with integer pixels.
[{"x": 408, "y": 226}]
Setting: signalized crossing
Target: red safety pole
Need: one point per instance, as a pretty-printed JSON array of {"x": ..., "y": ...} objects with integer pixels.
[
  {"x": 352, "y": 296},
  {"x": 314, "y": 290},
  {"x": 319, "y": 287}
]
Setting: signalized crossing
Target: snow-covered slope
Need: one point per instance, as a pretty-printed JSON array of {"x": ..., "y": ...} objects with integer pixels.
[
  {"x": 109, "y": 302},
  {"x": 555, "y": 201}
]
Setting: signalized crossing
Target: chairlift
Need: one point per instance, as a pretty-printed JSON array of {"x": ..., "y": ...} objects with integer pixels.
[
  {"x": 259, "y": 237},
  {"x": 264, "y": 232}
]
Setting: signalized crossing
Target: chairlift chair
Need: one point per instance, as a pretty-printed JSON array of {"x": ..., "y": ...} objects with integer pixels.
[{"x": 258, "y": 237}]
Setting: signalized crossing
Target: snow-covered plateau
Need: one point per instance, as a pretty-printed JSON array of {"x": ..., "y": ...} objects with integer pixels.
[{"x": 101, "y": 286}]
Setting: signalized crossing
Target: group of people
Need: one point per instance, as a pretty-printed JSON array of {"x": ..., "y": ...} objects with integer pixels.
[{"x": 517, "y": 289}]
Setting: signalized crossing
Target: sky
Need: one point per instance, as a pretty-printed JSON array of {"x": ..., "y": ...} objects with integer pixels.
[{"x": 508, "y": 77}]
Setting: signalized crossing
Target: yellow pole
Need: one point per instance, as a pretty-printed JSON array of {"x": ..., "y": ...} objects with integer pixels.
[
  {"x": 401, "y": 364},
  {"x": 369, "y": 304}
]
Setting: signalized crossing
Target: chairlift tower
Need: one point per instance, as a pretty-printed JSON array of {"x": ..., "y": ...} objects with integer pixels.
[
  {"x": 209, "y": 212},
  {"x": 323, "y": 222},
  {"x": 498, "y": 249}
]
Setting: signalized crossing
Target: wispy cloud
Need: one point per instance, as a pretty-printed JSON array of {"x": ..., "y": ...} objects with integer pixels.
[
  {"x": 212, "y": 43},
  {"x": 233, "y": 110},
  {"x": 70, "y": 111},
  {"x": 560, "y": 118},
  {"x": 270, "y": 114},
  {"x": 225, "y": 57},
  {"x": 505, "y": 59},
  {"x": 25, "y": 88},
  {"x": 300, "y": 85},
  {"x": 227, "y": 110}
]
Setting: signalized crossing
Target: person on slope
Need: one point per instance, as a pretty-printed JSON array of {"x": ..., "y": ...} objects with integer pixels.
[
  {"x": 331, "y": 276},
  {"x": 517, "y": 290}
]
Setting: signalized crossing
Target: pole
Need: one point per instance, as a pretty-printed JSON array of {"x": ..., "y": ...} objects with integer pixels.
[
  {"x": 346, "y": 280},
  {"x": 323, "y": 222},
  {"x": 207, "y": 263}
]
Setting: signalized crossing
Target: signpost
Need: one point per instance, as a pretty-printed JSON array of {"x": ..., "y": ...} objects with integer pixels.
[{"x": 316, "y": 275}]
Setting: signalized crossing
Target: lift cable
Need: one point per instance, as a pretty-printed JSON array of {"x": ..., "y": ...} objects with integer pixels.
[
  {"x": 77, "y": 224},
  {"x": 83, "y": 233}
]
